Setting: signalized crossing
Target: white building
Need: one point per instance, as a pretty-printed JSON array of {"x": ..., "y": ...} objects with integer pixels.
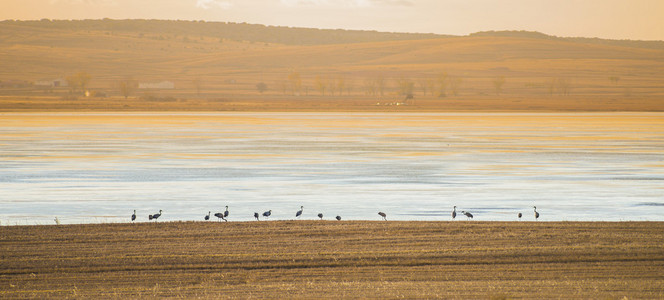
[
  {"x": 164, "y": 85},
  {"x": 52, "y": 83}
]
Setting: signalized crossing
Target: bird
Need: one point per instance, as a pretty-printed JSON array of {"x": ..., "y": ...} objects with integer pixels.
[
  {"x": 454, "y": 213},
  {"x": 267, "y": 213},
  {"x": 256, "y": 216},
  {"x": 133, "y": 217},
  {"x": 226, "y": 213},
  {"x": 299, "y": 212},
  {"x": 536, "y": 213},
  {"x": 469, "y": 215},
  {"x": 338, "y": 218},
  {"x": 220, "y": 216},
  {"x": 320, "y": 215},
  {"x": 208, "y": 216},
  {"x": 382, "y": 214},
  {"x": 155, "y": 216},
  {"x": 520, "y": 215}
]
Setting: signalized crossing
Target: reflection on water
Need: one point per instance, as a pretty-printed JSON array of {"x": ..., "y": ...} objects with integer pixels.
[{"x": 99, "y": 167}]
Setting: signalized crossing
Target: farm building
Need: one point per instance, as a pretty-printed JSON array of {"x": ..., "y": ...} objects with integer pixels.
[
  {"x": 51, "y": 83},
  {"x": 164, "y": 85}
]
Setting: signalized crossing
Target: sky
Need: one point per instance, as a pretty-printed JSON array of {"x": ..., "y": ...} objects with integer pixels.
[{"x": 613, "y": 19}]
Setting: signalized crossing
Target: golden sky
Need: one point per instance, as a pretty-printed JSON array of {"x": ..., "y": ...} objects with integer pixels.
[{"x": 615, "y": 19}]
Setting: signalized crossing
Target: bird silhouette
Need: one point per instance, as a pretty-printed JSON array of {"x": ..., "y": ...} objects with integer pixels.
[
  {"x": 267, "y": 213},
  {"x": 520, "y": 215},
  {"x": 220, "y": 216},
  {"x": 320, "y": 215},
  {"x": 454, "y": 213},
  {"x": 208, "y": 216},
  {"x": 299, "y": 212},
  {"x": 155, "y": 216},
  {"x": 536, "y": 213},
  {"x": 382, "y": 214},
  {"x": 133, "y": 217},
  {"x": 256, "y": 216},
  {"x": 469, "y": 215},
  {"x": 338, "y": 218},
  {"x": 226, "y": 212}
]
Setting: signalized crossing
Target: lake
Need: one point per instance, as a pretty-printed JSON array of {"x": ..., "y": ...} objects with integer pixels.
[{"x": 92, "y": 167}]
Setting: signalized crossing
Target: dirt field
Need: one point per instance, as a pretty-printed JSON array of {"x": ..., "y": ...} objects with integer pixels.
[{"x": 330, "y": 259}]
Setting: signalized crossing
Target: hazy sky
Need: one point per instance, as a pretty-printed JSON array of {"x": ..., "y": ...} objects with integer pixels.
[{"x": 617, "y": 19}]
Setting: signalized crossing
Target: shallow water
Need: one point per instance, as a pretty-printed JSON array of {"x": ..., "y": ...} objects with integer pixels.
[{"x": 99, "y": 167}]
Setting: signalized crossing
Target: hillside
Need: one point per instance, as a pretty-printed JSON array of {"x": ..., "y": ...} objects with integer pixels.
[{"x": 220, "y": 61}]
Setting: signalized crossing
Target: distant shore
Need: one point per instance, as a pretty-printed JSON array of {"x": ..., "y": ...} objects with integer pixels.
[
  {"x": 356, "y": 104},
  {"x": 331, "y": 259}
]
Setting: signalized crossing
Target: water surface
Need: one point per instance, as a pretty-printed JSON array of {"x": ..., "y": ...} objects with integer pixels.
[{"x": 99, "y": 167}]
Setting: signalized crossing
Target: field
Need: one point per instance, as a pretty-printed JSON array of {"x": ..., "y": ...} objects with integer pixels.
[
  {"x": 330, "y": 259},
  {"x": 220, "y": 70}
]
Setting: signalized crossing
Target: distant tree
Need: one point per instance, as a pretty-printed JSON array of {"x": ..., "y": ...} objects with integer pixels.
[
  {"x": 564, "y": 86},
  {"x": 550, "y": 85},
  {"x": 424, "y": 85},
  {"x": 349, "y": 86},
  {"x": 441, "y": 85},
  {"x": 406, "y": 87},
  {"x": 198, "y": 83},
  {"x": 78, "y": 82},
  {"x": 370, "y": 87},
  {"x": 127, "y": 87},
  {"x": 295, "y": 82},
  {"x": 340, "y": 84},
  {"x": 380, "y": 84},
  {"x": 283, "y": 86},
  {"x": 261, "y": 87},
  {"x": 614, "y": 79},
  {"x": 321, "y": 84},
  {"x": 455, "y": 85},
  {"x": 498, "y": 83}
]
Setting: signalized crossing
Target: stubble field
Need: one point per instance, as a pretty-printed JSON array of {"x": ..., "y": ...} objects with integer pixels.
[{"x": 330, "y": 259}]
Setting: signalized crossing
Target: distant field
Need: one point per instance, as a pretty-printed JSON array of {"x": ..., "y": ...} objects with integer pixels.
[
  {"x": 330, "y": 259},
  {"x": 220, "y": 68}
]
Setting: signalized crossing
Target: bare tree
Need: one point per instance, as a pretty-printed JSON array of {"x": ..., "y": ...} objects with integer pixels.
[
  {"x": 406, "y": 87},
  {"x": 498, "y": 83},
  {"x": 441, "y": 84},
  {"x": 321, "y": 84},
  {"x": 341, "y": 84},
  {"x": 349, "y": 86},
  {"x": 424, "y": 85},
  {"x": 261, "y": 87},
  {"x": 380, "y": 84},
  {"x": 198, "y": 83},
  {"x": 370, "y": 87},
  {"x": 127, "y": 87},
  {"x": 455, "y": 84},
  {"x": 564, "y": 86},
  {"x": 79, "y": 81},
  {"x": 295, "y": 82}
]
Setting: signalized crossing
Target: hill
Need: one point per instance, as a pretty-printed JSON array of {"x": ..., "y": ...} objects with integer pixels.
[{"x": 225, "y": 66}]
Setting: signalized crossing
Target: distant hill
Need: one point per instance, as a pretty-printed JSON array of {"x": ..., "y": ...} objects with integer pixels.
[
  {"x": 216, "y": 60},
  {"x": 223, "y": 30},
  {"x": 538, "y": 35}
]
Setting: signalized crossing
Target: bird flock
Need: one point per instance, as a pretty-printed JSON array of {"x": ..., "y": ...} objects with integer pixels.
[{"x": 266, "y": 215}]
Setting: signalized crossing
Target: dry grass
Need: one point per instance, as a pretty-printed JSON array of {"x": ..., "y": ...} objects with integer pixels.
[
  {"x": 325, "y": 259},
  {"x": 229, "y": 71}
]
